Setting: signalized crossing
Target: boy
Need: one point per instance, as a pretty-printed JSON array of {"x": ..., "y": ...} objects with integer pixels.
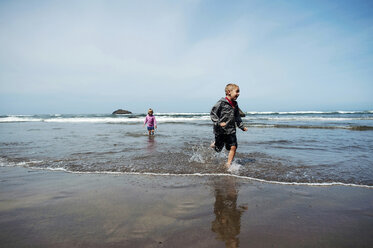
[{"x": 225, "y": 114}]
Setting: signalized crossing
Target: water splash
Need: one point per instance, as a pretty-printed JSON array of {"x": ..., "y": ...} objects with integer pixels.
[
  {"x": 204, "y": 154},
  {"x": 234, "y": 168}
]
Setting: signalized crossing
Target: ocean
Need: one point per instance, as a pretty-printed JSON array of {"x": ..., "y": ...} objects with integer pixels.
[{"x": 302, "y": 147}]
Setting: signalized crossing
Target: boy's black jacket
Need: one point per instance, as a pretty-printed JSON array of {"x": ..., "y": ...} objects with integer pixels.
[{"x": 224, "y": 112}]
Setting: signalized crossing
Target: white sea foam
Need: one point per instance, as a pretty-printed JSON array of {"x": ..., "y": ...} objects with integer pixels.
[
  {"x": 182, "y": 119},
  {"x": 19, "y": 119},
  {"x": 3, "y": 162},
  {"x": 306, "y": 118},
  {"x": 165, "y": 119},
  {"x": 159, "y": 119},
  {"x": 191, "y": 117},
  {"x": 6, "y": 163},
  {"x": 221, "y": 174},
  {"x": 95, "y": 120},
  {"x": 57, "y": 169},
  {"x": 286, "y": 113},
  {"x": 260, "y": 113},
  {"x": 181, "y": 113},
  {"x": 233, "y": 173},
  {"x": 307, "y": 112}
]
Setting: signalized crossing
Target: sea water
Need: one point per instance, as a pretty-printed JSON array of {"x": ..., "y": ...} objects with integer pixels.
[{"x": 315, "y": 148}]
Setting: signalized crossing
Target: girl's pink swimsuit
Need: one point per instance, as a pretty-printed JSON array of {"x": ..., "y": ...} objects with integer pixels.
[{"x": 150, "y": 120}]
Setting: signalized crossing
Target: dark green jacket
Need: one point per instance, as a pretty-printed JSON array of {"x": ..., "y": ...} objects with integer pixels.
[{"x": 224, "y": 112}]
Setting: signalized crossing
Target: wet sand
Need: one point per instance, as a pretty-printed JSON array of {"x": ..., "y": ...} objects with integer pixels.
[{"x": 40, "y": 208}]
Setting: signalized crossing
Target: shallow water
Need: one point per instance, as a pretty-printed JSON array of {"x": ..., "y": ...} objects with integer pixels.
[{"x": 293, "y": 147}]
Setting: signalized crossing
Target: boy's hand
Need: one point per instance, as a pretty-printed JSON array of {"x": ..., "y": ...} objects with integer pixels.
[
  {"x": 245, "y": 129},
  {"x": 223, "y": 124}
]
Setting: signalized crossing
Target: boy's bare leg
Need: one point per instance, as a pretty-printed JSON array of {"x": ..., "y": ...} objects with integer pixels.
[{"x": 231, "y": 154}]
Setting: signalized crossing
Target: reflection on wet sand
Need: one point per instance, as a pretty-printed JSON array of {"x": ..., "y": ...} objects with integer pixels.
[
  {"x": 151, "y": 143},
  {"x": 227, "y": 221}
]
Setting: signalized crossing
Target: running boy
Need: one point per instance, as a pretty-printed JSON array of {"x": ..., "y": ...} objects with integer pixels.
[
  {"x": 151, "y": 122},
  {"x": 225, "y": 115}
]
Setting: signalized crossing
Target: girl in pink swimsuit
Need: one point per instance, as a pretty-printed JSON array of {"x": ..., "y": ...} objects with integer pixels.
[{"x": 151, "y": 122}]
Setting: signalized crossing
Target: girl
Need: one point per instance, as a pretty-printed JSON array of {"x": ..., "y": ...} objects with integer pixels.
[{"x": 151, "y": 122}]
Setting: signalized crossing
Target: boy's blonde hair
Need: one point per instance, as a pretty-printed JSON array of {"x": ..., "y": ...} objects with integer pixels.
[
  {"x": 150, "y": 111},
  {"x": 230, "y": 87}
]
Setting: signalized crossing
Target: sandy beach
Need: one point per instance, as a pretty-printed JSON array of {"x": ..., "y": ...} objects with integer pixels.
[{"x": 40, "y": 208}]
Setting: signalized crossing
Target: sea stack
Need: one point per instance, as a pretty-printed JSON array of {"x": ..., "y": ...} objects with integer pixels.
[{"x": 121, "y": 112}]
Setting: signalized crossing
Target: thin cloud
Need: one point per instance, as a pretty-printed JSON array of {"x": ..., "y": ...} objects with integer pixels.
[{"x": 280, "y": 54}]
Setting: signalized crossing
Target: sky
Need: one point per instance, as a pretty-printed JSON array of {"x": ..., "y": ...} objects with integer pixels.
[{"x": 177, "y": 56}]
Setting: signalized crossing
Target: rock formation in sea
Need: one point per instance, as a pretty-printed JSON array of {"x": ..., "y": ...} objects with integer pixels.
[{"x": 121, "y": 112}]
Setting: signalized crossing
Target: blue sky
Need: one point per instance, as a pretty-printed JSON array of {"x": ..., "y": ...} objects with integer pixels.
[{"x": 177, "y": 56}]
